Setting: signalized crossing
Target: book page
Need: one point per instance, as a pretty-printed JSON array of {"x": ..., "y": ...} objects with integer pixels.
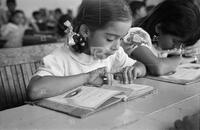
[
  {"x": 130, "y": 91},
  {"x": 86, "y": 97},
  {"x": 185, "y": 72}
]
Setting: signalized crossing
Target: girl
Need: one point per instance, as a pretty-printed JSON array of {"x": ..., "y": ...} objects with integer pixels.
[
  {"x": 100, "y": 25},
  {"x": 172, "y": 25},
  {"x": 13, "y": 32}
]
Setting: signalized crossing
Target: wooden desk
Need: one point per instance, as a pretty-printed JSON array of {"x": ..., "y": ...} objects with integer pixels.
[
  {"x": 154, "y": 112},
  {"x": 38, "y": 39},
  {"x": 164, "y": 118}
]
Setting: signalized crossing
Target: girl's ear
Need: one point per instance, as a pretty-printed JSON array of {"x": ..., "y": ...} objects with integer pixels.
[
  {"x": 84, "y": 30},
  {"x": 158, "y": 28}
]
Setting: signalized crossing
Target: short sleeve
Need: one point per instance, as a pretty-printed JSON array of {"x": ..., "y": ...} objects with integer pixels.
[
  {"x": 122, "y": 60},
  {"x": 136, "y": 37},
  {"x": 50, "y": 66}
]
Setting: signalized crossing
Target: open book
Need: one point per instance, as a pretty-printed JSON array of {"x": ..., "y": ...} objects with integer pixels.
[
  {"x": 85, "y": 100},
  {"x": 184, "y": 74}
]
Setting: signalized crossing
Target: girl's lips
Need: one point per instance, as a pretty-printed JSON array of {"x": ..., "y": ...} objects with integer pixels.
[{"x": 110, "y": 53}]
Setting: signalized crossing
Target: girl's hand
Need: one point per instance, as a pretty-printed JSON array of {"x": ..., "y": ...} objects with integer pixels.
[
  {"x": 96, "y": 77},
  {"x": 128, "y": 74},
  {"x": 192, "y": 51}
]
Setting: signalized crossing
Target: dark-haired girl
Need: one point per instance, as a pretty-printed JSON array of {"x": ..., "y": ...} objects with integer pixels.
[
  {"x": 171, "y": 27},
  {"x": 99, "y": 27}
]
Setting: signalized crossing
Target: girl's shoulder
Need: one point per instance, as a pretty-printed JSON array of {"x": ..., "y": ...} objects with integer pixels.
[
  {"x": 61, "y": 51},
  {"x": 137, "y": 35}
]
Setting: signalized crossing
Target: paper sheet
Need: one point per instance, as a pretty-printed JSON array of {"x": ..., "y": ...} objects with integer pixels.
[
  {"x": 186, "y": 72},
  {"x": 88, "y": 97}
]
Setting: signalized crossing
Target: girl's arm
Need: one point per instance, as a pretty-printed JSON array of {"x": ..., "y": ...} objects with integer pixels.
[
  {"x": 48, "y": 86},
  {"x": 130, "y": 73},
  {"x": 155, "y": 66},
  {"x": 193, "y": 50}
]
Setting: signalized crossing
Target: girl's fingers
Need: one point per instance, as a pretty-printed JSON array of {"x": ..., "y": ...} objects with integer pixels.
[
  {"x": 189, "y": 48},
  {"x": 101, "y": 71},
  {"x": 98, "y": 73},
  {"x": 125, "y": 75},
  {"x": 130, "y": 74},
  {"x": 135, "y": 73},
  {"x": 191, "y": 52},
  {"x": 118, "y": 76},
  {"x": 121, "y": 78}
]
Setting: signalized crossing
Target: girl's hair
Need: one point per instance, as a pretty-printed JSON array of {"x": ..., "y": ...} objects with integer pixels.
[
  {"x": 97, "y": 13},
  {"x": 11, "y": 1},
  {"x": 176, "y": 17},
  {"x": 14, "y": 14}
]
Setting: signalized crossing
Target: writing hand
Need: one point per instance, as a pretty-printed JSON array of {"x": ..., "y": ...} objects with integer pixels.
[
  {"x": 130, "y": 73},
  {"x": 96, "y": 76},
  {"x": 193, "y": 50}
]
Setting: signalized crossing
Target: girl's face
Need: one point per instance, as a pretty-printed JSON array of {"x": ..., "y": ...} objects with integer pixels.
[
  {"x": 105, "y": 42},
  {"x": 19, "y": 19},
  {"x": 167, "y": 41}
]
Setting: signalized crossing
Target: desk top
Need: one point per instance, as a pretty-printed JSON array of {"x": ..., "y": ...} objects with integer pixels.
[{"x": 153, "y": 112}]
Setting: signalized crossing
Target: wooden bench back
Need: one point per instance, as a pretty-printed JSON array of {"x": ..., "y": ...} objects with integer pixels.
[{"x": 17, "y": 65}]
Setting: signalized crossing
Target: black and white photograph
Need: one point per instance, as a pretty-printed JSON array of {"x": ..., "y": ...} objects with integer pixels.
[{"x": 99, "y": 64}]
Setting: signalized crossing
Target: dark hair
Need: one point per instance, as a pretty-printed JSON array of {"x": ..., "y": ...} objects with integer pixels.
[
  {"x": 17, "y": 12},
  {"x": 97, "y": 13},
  {"x": 60, "y": 24},
  {"x": 11, "y": 1},
  {"x": 35, "y": 13},
  {"x": 177, "y": 17},
  {"x": 14, "y": 14},
  {"x": 58, "y": 10},
  {"x": 135, "y": 5}
]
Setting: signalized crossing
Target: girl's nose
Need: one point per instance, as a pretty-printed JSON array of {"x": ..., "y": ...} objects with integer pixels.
[{"x": 115, "y": 46}]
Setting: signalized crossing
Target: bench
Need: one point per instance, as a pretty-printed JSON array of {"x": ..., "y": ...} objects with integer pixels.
[{"x": 17, "y": 65}]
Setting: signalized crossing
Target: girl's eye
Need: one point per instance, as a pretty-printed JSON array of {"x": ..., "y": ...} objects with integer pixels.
[{"x": 109, "y": 40}]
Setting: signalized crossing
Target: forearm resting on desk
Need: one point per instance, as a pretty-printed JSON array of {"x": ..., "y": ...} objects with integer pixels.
[
  {"x": 48, "y": 86},
  {"x": 155, "y": 65}
]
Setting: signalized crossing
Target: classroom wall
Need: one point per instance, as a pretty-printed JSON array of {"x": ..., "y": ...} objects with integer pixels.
[
  {"x": 28, "y": 6},
  {"x": 149, "y": 2}
]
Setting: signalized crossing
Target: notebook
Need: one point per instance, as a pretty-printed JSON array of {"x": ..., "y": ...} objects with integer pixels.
[
  {"x": 86, "y": 100},
  {"x": 184, "y": 74}
]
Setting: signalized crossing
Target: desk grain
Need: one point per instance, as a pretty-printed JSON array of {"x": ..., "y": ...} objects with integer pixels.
[{"x": 147, "y": 113}]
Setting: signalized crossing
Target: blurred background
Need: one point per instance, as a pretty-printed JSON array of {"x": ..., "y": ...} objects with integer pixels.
[{"x": 33, "y": 22}]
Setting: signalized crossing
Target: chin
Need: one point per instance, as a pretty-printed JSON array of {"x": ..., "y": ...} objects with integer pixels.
[
  {"x": 166, "y": 48},
  {"x": 106, "y": 55},
  {"x": 103, "y": 57}
]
